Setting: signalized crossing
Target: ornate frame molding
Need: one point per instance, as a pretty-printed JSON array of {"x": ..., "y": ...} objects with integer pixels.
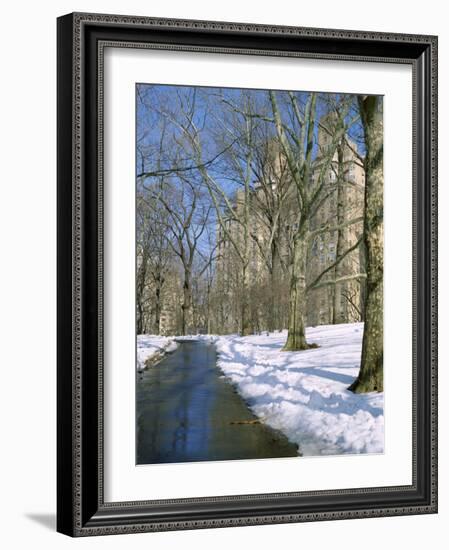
[{"x": 81, "y": 41}]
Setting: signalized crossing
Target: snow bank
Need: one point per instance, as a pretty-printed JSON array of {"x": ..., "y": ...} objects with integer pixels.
[
  {"x": 151, "y": 348},
  {"x": 304, "y": 394},
  {"x": 210, "y": 338}
]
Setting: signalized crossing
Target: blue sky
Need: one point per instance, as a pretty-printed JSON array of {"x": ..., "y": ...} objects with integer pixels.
[{"x": 159, "y": 109}]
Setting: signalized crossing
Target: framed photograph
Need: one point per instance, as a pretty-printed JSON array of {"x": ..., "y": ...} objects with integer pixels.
[{"x": 247, "y": 278}]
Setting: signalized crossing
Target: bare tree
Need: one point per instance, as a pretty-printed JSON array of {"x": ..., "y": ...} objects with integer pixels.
[
  {"x": 187, "y": 218},
  {"x": 370, "y": 377},
  {"x": 205, "y": 275},
  {"x": 297, "y": 139},
  {"x": 236, "y": 143},
  {"x": 240, "y": 176},
  {"x": 172, "y": 180},
  {"x": 154, "y": 260},
  {"x": 269, "y": 208}
]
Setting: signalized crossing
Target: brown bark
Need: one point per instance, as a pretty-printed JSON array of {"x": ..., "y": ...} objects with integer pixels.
[
  {"x": 140, "y": 288},
  {"x": 370, "y": 377},
  {"x": 246, "y": 327},
  {"x": 296, "y": 339},
  {"x": 186, "y": 307},
  {"x": 275, "y": 275},
  {"x": 336, "y": 306},
  {"x": 157, "y": 306}
]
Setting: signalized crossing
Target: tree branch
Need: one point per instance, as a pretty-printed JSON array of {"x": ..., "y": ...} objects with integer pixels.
[{"x": 314, "y": 283}]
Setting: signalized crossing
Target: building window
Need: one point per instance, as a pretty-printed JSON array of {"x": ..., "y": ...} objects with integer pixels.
[{"x": 351, "y": 172}]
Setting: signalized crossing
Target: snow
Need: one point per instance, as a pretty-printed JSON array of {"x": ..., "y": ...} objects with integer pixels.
[
  {"x": 304, "y": 394},
  {"x": 209, "y": 338},
  {"x": 151, "y": 348}
]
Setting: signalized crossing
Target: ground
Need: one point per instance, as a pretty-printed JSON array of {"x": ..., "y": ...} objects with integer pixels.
[{"x": 304, "y": 394}]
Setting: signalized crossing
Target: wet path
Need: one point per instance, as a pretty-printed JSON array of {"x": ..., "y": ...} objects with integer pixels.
[{"x": 187, "y": 412}]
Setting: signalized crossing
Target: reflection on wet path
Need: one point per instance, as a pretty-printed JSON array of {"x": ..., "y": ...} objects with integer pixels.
[{"x": 187, "y": 412}]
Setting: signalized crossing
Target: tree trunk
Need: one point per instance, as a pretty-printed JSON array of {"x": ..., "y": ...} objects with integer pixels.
[
  {"x": 339, "y": 269},
  {"x": 139, "y": 318},
  {"x": 140, "y": 287},
  {"x": 371, "y": 370},
  {"x": 186, "y": 305},
  {"x": 157, "y": 308},
  {"x": 275, "y": 296},
  {"x": 296, "y": 339},
  {"x": 208, "y": 321},
  {"x": 245, "y": 320},
  {"x": 271, "y": 313},
  {"x": 362, "y": 282}
]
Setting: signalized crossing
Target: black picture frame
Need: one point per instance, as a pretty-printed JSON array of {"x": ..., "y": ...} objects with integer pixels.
[{"x": 81, "y": 510}]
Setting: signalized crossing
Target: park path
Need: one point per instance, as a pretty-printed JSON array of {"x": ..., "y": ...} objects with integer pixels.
[{"x": 187, "y": 411}]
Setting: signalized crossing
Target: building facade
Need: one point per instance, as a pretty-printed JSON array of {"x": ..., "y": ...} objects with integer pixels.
[{"x": 338, "y": 296}]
